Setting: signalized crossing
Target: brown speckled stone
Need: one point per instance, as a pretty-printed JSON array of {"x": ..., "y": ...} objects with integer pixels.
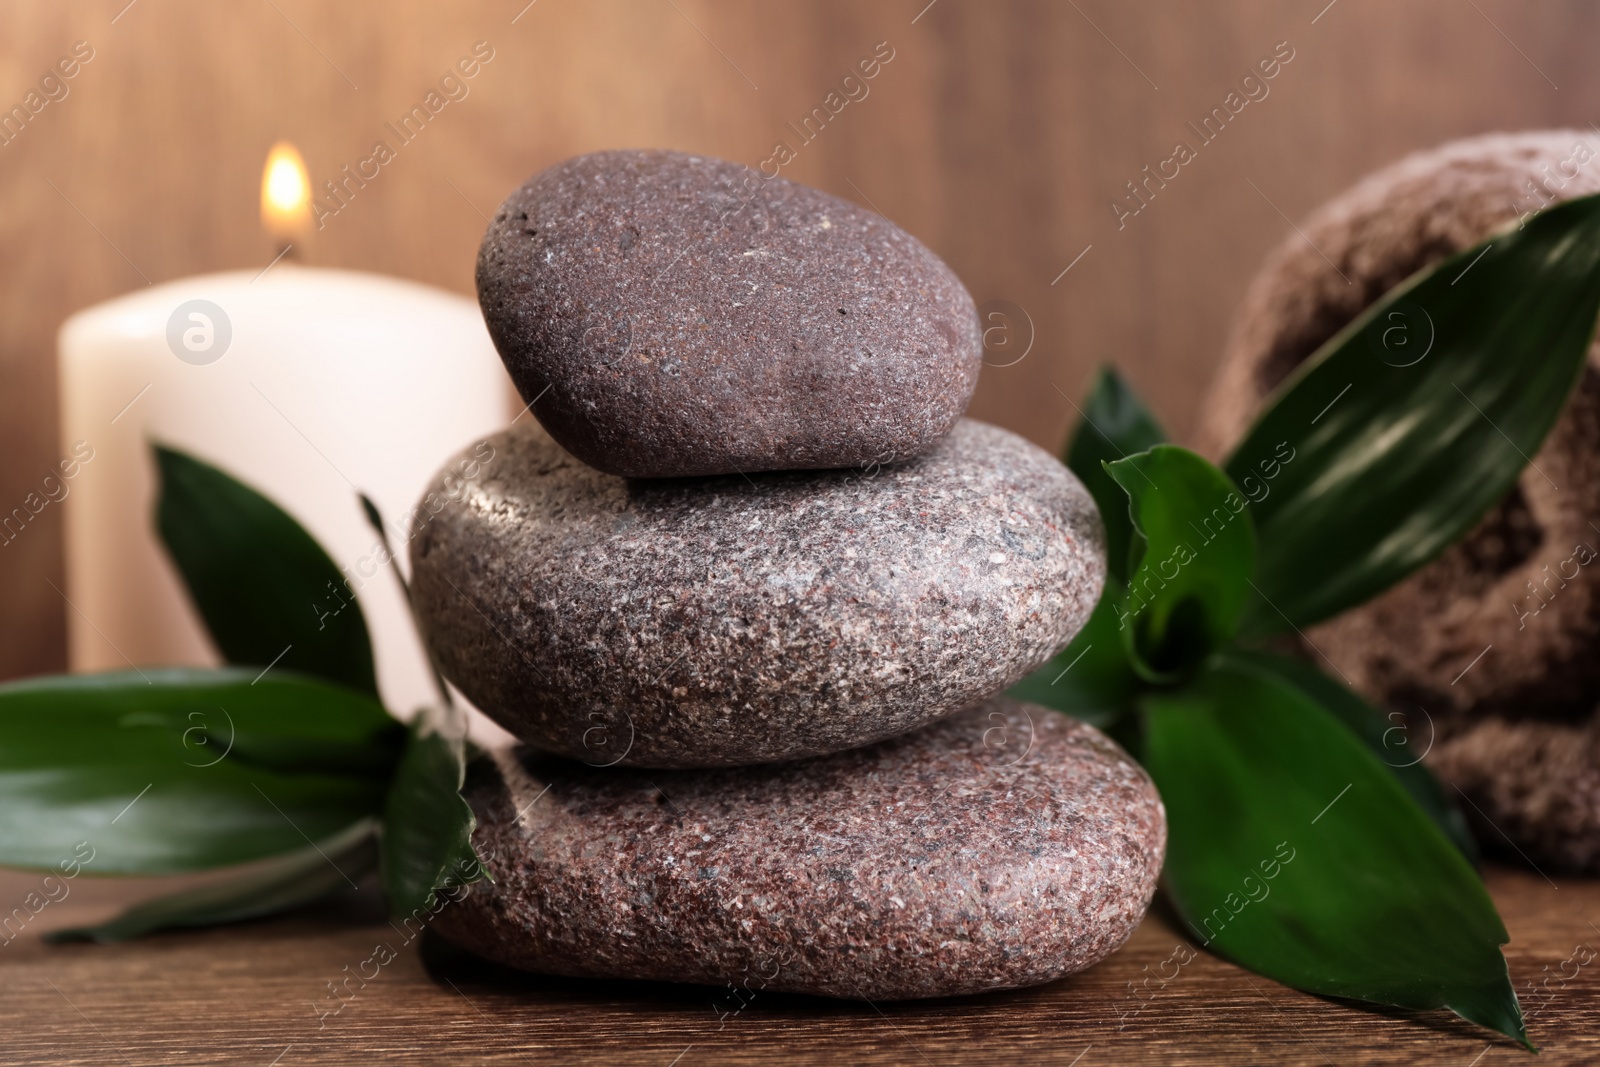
[
  {"x": 1489, "y": 651},
  {"x": 669, "y": 314},
  {"x": 709, "y": 622},
  {"x": 1004, "y": 847}
]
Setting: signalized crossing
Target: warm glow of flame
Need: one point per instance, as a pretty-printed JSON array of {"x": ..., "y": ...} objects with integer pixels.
[{"x": 285, "y": 192}]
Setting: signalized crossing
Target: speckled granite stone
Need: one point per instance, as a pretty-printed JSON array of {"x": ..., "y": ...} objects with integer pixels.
[
  {"x": 1004, "y": 847},
  {"x": 708, "y": 622},
  {"x": 670, "y": 314},
  {"x": 1488, "y": 651}
]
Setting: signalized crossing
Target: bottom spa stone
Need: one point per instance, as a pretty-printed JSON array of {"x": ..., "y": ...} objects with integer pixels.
[{"x": 1003, "y": 847}]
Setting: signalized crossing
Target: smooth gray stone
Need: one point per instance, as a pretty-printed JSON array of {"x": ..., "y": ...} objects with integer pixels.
[
  {"x": 719, "y": 621},
  {"x": 1003, "y": 847},
  {"x": 668, "y": 314}
]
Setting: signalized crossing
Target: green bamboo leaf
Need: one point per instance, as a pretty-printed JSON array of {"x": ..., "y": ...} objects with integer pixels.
[
  {"x": 427, "y": 836},
  {"x": 1402, "y": 431},
  {"x": 1385, "y": 737},
  {"x": 158, "y": 771},
  {"x": 1091, "y": 679},
  {"x": 1114, "y": 425},
  {"x": 267, "y": 591},
  {"x": 1294, "y": 852},
  {"x": 279, "y": 884},
  {"x": 1190, "y": 579}
]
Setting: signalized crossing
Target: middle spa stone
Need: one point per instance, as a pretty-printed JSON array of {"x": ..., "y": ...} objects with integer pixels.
[{"x": 731, "y": 620}]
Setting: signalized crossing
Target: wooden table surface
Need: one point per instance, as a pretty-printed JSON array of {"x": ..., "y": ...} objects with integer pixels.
[{"x": 258, "y": 993}]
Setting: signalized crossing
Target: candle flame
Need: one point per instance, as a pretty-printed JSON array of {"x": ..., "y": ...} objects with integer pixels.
[{"x": 285, "y": 193}]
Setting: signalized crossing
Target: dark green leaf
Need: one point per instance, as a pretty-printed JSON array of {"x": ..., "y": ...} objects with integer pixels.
[
  {"x": 1190, "y": 580},
  {"x": 268, "y": 592},
  {"x": 1293, "y": 851},
  {"x": 1091, "y": 679},
  {"x": 1389, "y": 739},
  {"x": 274, "y": 885},
  {"x": 427, "y": 835},
  {"x": 1397, "y": 436},
  {"x": 374, "y": 518},
  {"x": 183, "y": 769},
  {"x": 1114, "y": 425}
]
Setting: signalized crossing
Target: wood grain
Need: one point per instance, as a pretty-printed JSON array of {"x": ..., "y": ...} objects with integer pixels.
[
  {"x": 258, "y": 994},
  {"x": 999, "y": 134}
]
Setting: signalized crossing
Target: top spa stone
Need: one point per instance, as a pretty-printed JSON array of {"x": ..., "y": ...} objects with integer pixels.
[
  {"x": 722, "y": 621},
  {"x": 669, "y": 315}
]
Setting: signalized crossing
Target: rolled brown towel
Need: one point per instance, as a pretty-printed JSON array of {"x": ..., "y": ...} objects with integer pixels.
[{"x": 1492, "y": 651}]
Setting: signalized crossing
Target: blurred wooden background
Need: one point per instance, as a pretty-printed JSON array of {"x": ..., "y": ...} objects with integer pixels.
[{"x": 999, "y": 133}]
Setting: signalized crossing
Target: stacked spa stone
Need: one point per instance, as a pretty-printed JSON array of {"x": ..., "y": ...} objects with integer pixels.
[{"x": 747, "y": 586}]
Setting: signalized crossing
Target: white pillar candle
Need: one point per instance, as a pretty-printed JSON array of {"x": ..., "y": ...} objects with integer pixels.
[{"x": 307, "y": 385}]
